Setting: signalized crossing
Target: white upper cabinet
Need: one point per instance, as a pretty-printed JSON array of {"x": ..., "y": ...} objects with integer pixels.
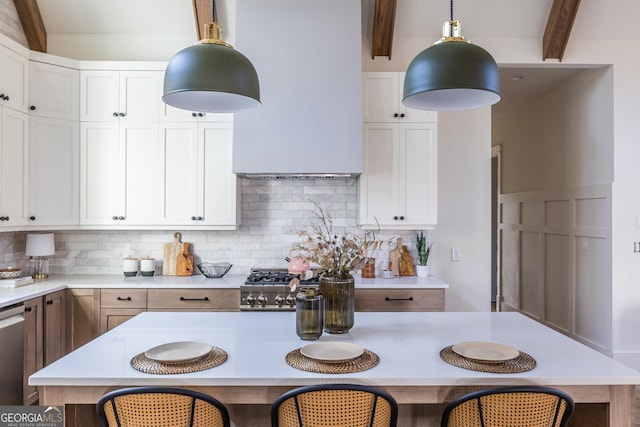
[
  {"x": 54, "y": 91},
  {"x": 14, "y": 180},
  {"x": 399, "y": 182},
  {"x": 199, "y": 187},
  {"x": 14, "y": 80},
  {"x": 54, "y": 172},
  {"x": 119, "y": 95},
  {"x": 382, "y": 100},
  {"x": 118, "y": 174}
]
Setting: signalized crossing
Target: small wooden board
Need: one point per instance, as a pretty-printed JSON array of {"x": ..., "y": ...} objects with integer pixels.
[
  {"x": 184, "y": 263},
  {"x": 171, "y": 252}
]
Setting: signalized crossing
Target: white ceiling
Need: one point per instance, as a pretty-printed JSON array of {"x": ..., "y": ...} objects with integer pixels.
[{"x": 421, "y": 18}]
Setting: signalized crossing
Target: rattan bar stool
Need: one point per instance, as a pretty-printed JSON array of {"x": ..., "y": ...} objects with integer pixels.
[
  {"x": 160, "y": 407},
  {"x": 527, "y": 406},
  {"x": 325, "y": 405}
]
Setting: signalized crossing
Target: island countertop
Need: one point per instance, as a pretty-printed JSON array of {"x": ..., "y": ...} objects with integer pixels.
[{"x": 408, "y": 346}]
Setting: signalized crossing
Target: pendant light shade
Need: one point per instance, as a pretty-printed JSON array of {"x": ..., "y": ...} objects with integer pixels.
[
  {"x": 211, "y": 76},
  {"x": 452, "y": 74}
]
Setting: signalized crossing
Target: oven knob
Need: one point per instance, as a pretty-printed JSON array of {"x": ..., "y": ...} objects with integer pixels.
[
  {"x": 279, "y": 299},
  {"x": 251, "y": 300},
  {"x": 262, "y": 300},
  {"x": 291, "y": 300}
]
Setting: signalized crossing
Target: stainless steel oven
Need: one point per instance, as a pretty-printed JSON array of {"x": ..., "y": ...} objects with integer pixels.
[
  {"x": 12, "y": 354},
  {"x": 269, "y": 290}
]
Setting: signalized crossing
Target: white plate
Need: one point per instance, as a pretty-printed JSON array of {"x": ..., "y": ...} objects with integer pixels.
[
  {"x": 332, "y": 352},
  {"x": 178, "y": 352},
  {"x": 485, "y": 351}
]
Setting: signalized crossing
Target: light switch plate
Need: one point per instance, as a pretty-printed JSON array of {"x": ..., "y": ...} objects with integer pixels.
[{"x": 456, "y": 254}]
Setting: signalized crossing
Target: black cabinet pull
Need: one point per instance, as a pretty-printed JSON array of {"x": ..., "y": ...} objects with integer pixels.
[
  {"x": 194, "y": 115},
  {"x": 200, "y": 115},
  {"x": 6, "y": 98},
  {"x": 32, "y": 218},
  {"x": 199, "y": 218},
  {"x": 402, "y": 115},
  {"x": 395, "y": 115},
  {"x": 49, "y": 302},
  {"x": 395, "y": 218},
  {"x": 124, "y": 298},
  {"x": 115, "y": 218},
  {"x": 398, "y": 299},
  {"x": 122, "y": 114},
  {"x": 27, "y": 309},
  {"x": 115, "y": 114},
  {"x": 193, "y": 218},
  {"x": 401, "y": 218},
  {"x": 194, "y": 299},
  {"x": 32, "y": 108},
  {"x": 121, "y": 218}
]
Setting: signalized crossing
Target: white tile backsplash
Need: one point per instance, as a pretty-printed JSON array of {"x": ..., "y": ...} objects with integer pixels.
[{"x": 272, "y": 213}]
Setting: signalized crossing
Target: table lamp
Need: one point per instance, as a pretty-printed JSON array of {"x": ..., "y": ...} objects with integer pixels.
[{"x": 39, "y": 248}]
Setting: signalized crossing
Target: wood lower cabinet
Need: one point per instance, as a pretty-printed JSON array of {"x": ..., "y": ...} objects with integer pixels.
[
  {"x": 33, "y": 346},
  {"x": 400, "y": 299},
  {"x": 44, "y": 337},
  {"x": 119, "y": 305},
  {"x": 82, "y": 317},
  {"x": 193, "y": 299}
]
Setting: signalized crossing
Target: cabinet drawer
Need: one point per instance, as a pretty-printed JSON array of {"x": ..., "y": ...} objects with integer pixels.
[
  {"x": 194, "y": 299},
  {"x": 400, "y": 300},
  {"x": 123, "y": 298}
]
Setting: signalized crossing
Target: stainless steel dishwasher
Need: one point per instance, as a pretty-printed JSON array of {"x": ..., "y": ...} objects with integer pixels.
[{"x": 11, "y": 354}]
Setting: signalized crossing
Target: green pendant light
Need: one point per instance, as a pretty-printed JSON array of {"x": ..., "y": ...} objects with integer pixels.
[
  {"x": 211, "y": 76},
  {"x": 452, "y": 74}
]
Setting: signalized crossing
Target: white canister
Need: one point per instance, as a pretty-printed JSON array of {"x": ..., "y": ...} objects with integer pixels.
[
  {"x": 147, "y": 267},
  {"x": 130, "y": 267}
]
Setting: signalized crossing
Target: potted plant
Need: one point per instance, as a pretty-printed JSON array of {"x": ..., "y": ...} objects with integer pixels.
[{"x": 424, "y": 250}]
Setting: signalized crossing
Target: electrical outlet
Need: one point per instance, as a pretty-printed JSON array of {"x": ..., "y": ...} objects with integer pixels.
[
  {"x": 636, "y": 247},
  {"x": 456, "y": 254}
]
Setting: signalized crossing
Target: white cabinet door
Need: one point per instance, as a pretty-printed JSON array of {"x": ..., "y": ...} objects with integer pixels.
[
  {"x": 179, "y": 157},
  {"x": 200, "y": 189},
  {"x": 139, "y": 145},
  {"x": 99, "y": 96},
  {"x": 118, "y": 183},
  {"x": 54, "y": 172},
  {"x": 398, "y": 187},
  {"x": 14, "y": 80},
  {"x": 119, "y": 95},
  {"x": 382, "y": 100},
  {"x": 219, "y": 184},
  {"x": 14, "y": 154},
  {"x": 54, "y": 91},
  {"x": 139, "y": 95}
]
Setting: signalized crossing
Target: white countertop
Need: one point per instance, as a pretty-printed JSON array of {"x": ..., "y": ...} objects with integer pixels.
[
  {"x": 408, "y": 345},
  {"x": 229, "y": 281}
]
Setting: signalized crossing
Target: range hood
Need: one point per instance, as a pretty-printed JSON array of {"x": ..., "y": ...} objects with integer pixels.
[{"x": 308, "y": 59}]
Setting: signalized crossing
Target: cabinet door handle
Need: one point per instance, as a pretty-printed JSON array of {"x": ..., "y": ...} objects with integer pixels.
[
  {"x": 395, "y": 218},
  {"x": 194, "y": 115},
  {"x": 200, "y": 115},
  {"x": 121, "y": 218},
  {"x": 402, "y": 115},
  {"x": 398, "y": 299},
  {"x": 395, "y": 115},
  {"x": 401, "y": 217},
  {"x": 49, "y": 302},
  {"x": 115, "y": 114},
  {"x": 194, "y": 299},
  {"x": 124, "y": 298},
  {"x": 32, "y": 218},
  {"x": 122, "y": 114},
  {"x": 199, "y": 218},
  {"x": 32, "y": 108},
  {"x": 27, "y": 309},
  {"x": 193, "y": 218}
]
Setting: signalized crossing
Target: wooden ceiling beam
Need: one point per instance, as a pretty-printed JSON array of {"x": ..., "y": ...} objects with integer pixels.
[
  {"x": 32, "y": 24},
  {"x": 202, "y": 16},
  {"x": 556, "y": 34},
  {"x": 383, "y": 21}
]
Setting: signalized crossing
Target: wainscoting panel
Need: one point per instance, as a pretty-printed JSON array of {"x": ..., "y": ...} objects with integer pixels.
[{"x": 555, "y": 252}]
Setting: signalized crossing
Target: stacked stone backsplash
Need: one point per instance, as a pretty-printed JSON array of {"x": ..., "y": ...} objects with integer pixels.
[{"x": 272, "y": 213}]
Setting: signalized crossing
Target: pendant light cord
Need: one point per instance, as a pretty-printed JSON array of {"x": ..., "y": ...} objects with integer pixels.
[{"x": 451, "y": 18}]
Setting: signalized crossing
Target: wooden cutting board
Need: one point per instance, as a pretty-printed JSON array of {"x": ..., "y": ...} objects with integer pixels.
[
  {"x": 184, "y": 263},
  {"x": 171, "y": 252}
]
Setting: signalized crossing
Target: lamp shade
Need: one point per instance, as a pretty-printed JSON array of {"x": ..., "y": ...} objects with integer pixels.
[
  {"x": 212, "y": 78},
  {"x": 42, "y": 244},
  {"x": 452, "y": 75}
]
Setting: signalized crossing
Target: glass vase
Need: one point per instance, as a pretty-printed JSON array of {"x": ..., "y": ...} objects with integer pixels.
[
  {"x": 339, "y": 303},
  {"x": 309, "y": 313}
]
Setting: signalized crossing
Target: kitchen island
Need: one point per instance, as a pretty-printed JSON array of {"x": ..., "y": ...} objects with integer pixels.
[{"x": 407, "y": 344}]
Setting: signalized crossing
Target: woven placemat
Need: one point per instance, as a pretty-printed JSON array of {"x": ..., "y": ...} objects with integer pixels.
[
  {"x": 215, "y": 357},
  {"x": 367, "y": 360},
  {"x": 522, "y": 363}
]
